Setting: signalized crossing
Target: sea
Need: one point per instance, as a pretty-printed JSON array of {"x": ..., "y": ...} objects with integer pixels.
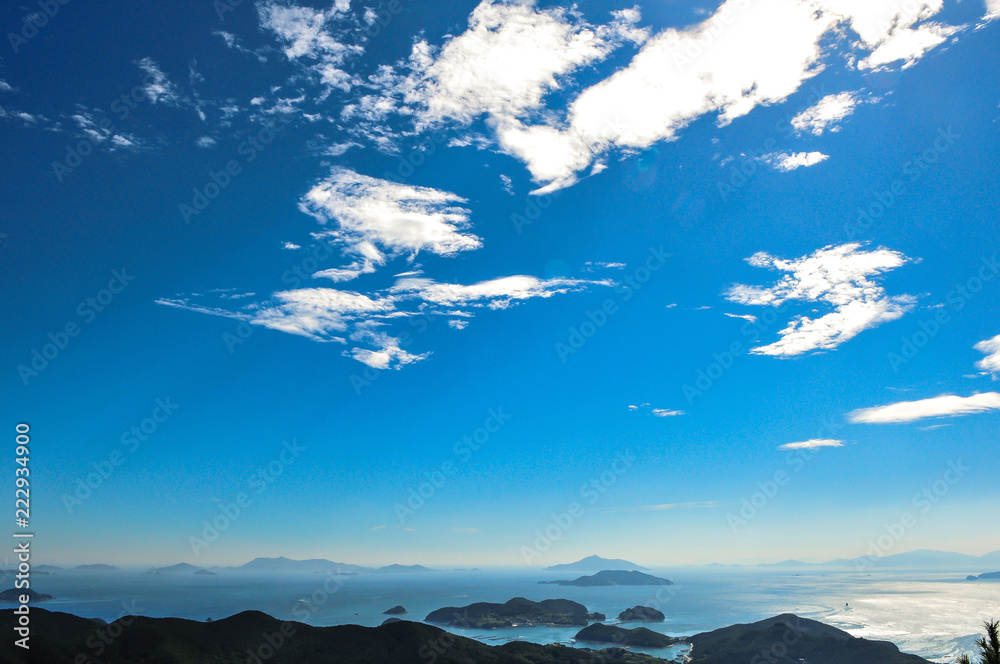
[{"x": 934, "y": 614}]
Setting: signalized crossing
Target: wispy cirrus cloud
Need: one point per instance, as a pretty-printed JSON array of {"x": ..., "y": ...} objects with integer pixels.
[
  {"x": 812, "y": 444},
  {"x": 991, "y": 347},
  {"x": 827, "y": 113},
  {"x": 842, "y": 277},
  {"x": 946, "y": 405},
  {"x": 666, "y": 507},
  {"x": 315, "y": 37}
]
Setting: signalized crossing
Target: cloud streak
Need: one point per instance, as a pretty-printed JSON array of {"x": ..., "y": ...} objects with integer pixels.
[{"x": 946, "y": 405}]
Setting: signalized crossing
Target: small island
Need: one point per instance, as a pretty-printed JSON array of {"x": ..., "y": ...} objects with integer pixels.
[
  {"x": 515, "y": 612},
  {"x": 983, "y": 577},
  {"x": 14, "y": 595},
  {"x": 641, "y": 614},
  {"x": 619, "y": 636},
  {"x": 394, "y": 611},
  {"x": 615, "y": 577}
]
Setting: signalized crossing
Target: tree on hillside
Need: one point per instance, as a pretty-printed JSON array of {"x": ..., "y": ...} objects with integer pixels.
[{"x": 989, "y": 646}]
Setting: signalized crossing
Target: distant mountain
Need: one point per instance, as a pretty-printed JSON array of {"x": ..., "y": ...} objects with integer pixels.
[
  {"x": 281, "y": 565},
  {"x": 394, "y": 611},
  {"x": 610, "y": 577},
  {"x": 619, "y": 636},
  {"x": 918, "y": 559},
  {"x": 95, "y": 568},
  {"x": 179, "y": 568},
  {"x": 395, "y": 569},
  {"x": 62, "y": 637},
  {"x": 204, "y": 572},
  {"x": 801, "y": 640},
  {"x": 593, "y": 564},
  {"x": 14, "y": 595},
  {"x": 518, "y": 611}
]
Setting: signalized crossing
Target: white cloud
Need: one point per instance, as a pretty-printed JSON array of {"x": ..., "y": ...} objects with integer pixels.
[
  {"x": 841, "y": 277},
  {"x": 205, "y": 142},
  {"x": 507, "y": 185},
  {"x": 458, "y": 324},
  {"x": 812, "y": 444},
  {"x": 495, "y": 293},
  {"x": 101, "y": 131},
  {"x": 991, "y": 347},
  {"x": 510, "y": 56},
  {"x": 946, "y": 405},
  {"x": 745, "y": 55},
  {"x": 827, "y": 112},
  {"x": 400, "y": 218},
  {"x": 291, "y": 246},
  {"x": 5, "y": 86},
  {"x": 789, "y": 161},
  {"x": 993, "y": 8},
  {"x": 387, "y": 353},
  {"x": 664, "y": 507},
  {"x": 156, "y": 85},
  {"x": 747, "y": 317},
  {"x": 318, "y": 313},
  {"x": 311, "y": 35},
  {"x": 656, "y": 412},
  {"x": 590, "y": 266}
]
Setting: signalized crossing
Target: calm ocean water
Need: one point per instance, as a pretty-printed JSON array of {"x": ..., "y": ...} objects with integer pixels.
[{"x": 930, "y": 614}]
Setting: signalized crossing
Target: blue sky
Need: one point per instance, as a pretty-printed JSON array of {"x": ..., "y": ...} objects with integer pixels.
[{"x": 525, "y": 259}]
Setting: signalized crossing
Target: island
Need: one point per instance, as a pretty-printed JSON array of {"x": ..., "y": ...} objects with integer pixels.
[
  {"x": 14, "y": 595},
  {"x": 619, "y": 636},
  {"x": 594, "y": 563},
  {"x": 515, "y": 612},
  {"x": 801, "y": 639},
  {"x": 389, "y": 621},
  {"x": 394, "y": 611},
  {"x": 983, "y": 577},
  {"x": 614, "y": 577},
  {"x": 179, "y": 568},
  {"x": 95, "y": 568},
  {"x": 641, "y": 614}
]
